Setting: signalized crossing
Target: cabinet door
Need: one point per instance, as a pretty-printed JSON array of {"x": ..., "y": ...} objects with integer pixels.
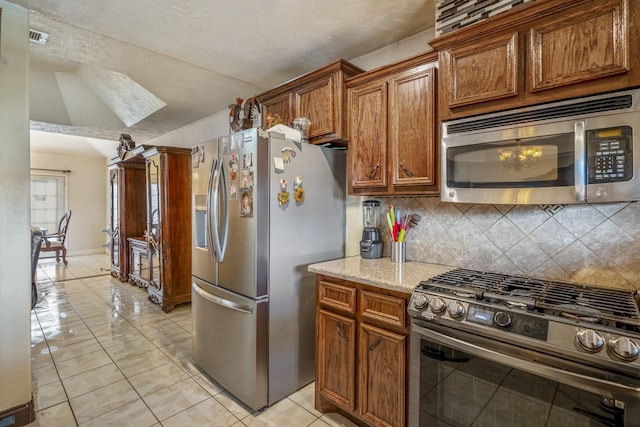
[
  {"x": 481, "y": 71},
  {"x": 335, "y": 359},
  {"x": 412, "y": 123},
  {"x": 114, "y": 213},
  {"x": 279, "y": 104},
  {"x": 368, "y": 136},
  {"x": 382, "y": 356},
  {"x": 586, "y": 44},
  {"x": 154, "y": 221},
  {"x": 316, "y": 101}
]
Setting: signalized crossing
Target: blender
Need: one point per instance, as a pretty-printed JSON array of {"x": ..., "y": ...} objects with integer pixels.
[{"x": 370, "y": 245}]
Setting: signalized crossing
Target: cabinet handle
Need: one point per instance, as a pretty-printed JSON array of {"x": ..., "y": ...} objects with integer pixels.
[
  {"x": 407, "y": 171},
  {"x": 374, "y": 171},
  {"x": 375, "y": 344},
  {"x": 341, "y": 332}
]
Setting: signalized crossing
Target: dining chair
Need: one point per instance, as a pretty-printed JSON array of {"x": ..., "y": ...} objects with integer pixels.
[{"x": 55, "y": 242}]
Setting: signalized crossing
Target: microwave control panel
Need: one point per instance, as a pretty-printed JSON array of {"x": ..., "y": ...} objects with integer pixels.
[{"x": 609, "y": 155}]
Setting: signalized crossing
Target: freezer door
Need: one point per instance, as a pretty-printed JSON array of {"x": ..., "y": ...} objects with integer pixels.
[
  {"x": 230, "y": 341},
  {"x": 203, "y": 167}
]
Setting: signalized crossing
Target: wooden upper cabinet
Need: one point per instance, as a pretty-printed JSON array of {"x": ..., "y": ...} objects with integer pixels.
[
  {"x": 319, "y": 96},
  {"x": 482, "y": 71},
  {"x": 589, "y": 43},
  {"x": 539, "y": 52},
  {"x": 280, "y": 105},
  {"x": 318, "y": 99},
  {"x": 368, "y": 142},
  {"x": 412, "y": 124},
  {"x": 393, "y": 129}
]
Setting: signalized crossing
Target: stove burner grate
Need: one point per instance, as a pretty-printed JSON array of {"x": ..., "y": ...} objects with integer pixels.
[{"x": 552, "y": 297}]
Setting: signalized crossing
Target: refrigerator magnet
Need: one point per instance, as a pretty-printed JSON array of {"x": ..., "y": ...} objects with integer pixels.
[
  {"x": 246, "y": 203},
  {"x": 246, "y": 178},
  {"x": 247, "y": 160},
  {"x": 278, "y": 164},
  {"x": 283, "y": 195},
  {"x": 298, "y": 191},
  {"x": 233, "y": 191},
  {"x": 287, "y": 154}
]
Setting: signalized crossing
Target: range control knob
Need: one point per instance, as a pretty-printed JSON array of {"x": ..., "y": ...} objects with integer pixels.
[
  {"x": 502, "y": 319},
  {"x": 420, "y": 301},
  {"x": 624, "y": 348},
  {"x": 437, "y": 305},
  {"x": 455, "y": 309},
  {"x": 590, "y": 340}
]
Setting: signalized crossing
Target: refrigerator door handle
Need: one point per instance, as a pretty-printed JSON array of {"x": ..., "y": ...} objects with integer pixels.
[
  {"x": 220, "y": 185},
  {"x": 222, "y": 176},
  {"x": 211, "y": 223},
  {"x": 221, "y": 301}
]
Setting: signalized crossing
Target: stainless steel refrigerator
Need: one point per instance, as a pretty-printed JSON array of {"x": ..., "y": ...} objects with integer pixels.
[{"x": 265, "y": 208}]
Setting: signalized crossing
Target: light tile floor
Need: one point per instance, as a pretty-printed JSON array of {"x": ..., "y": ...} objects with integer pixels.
[{"x": 103, "y": 355}]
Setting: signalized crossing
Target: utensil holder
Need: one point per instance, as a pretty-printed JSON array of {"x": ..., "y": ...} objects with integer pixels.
[{"x": 398, "y": 252}]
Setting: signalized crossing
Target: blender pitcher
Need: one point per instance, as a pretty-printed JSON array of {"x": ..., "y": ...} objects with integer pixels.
[{"x": 370, "y": 245}]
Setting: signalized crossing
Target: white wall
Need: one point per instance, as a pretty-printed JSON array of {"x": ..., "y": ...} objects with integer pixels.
[
  {"x": 15, "y": 260},
  {"x": 87, "y": 186}
]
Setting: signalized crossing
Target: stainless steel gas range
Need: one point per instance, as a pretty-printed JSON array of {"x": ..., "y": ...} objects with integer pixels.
[{"x": 490, "y": 349}]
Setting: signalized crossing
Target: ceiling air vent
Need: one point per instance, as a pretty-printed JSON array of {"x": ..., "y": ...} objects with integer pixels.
[{"x": 38, "y": 36}]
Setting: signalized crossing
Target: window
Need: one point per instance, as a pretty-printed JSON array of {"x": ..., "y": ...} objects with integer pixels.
[{"x": 48, "y": 199}]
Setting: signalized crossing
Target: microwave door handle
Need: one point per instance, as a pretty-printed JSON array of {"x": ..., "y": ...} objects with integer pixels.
[
  {"x": 211, "y": 220},
  {"x": 580, "y": 170}
]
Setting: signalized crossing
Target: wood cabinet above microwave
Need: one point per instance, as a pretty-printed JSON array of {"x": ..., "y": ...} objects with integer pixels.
[
  {"x": 539, "y": 52},
  {"x": 393, "y": 146},
  {"x": 320, "y": 96}
]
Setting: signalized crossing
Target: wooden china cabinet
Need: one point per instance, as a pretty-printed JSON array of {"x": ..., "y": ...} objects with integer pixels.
[
  {"x": 539, "y": 52},
  {"x": 168, "y": 224},
  {"x": 361, "y": 352},
  {"x": 318, "y": 96},
  {"x": 393, "y": 145},
  {"x": 127, "y": 206}
]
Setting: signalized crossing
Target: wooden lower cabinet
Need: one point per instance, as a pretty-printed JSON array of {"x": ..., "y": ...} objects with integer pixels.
[
  {"x": 382, "y": 376},
  {"x": 361, "y": 352},
  {"x": 337, "y": 347}
]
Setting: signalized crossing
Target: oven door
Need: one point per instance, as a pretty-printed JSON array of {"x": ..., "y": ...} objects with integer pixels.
[
  {"x": 524, "y": 164},
  {"x": 460, "y": 379}
]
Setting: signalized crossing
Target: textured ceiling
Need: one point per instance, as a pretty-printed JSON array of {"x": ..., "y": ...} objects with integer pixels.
[{"x": 196, "y": 56}]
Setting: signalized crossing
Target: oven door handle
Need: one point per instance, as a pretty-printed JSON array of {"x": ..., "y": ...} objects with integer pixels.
[{"x": 594, "y": 385}]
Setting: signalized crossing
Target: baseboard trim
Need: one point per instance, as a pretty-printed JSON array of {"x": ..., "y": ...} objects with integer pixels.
[{"x": 18, "y": 416}]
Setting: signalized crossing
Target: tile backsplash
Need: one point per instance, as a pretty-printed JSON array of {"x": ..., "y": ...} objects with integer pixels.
[
  {"x": 454, "y": 14},
  {"x": 591, "y": 243}
]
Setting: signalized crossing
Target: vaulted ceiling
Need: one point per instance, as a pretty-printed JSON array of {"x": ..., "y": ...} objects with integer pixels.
[{"x": 147, "y": 67}]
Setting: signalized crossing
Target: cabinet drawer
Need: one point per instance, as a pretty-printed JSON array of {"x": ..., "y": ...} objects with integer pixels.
[
  {"x": 383, "y": 308},
  {"x": 340, "y": 297}
]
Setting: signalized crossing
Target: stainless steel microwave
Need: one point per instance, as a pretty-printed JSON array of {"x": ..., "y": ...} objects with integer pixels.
[{"x": 584, "y": 150}]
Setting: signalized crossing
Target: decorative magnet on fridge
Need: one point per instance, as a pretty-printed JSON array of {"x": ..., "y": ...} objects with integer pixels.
[
  {"x": 298, "y": 191},
  {"x": 287, "y": 154},
  {"x": 283, "y": 195}
]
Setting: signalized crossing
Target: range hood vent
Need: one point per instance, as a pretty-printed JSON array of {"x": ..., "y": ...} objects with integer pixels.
[
  {"x": 38, "y": 36},
  {"x": 544, "y": 113}
]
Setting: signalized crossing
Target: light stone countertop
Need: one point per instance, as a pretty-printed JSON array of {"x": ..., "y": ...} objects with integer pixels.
[{"x": 380, "y": 272}]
